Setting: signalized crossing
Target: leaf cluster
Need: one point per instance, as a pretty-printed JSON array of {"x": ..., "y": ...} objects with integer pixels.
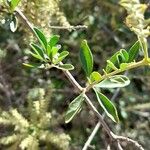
[
  {"x": 120, "y": 60},
  {"x": 48, "y": 53}
]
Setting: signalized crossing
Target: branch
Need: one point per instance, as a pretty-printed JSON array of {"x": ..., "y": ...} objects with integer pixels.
[
  {"x": 88, "y": 101},
  {"x": 87, "y": 144},
  {"x": 119, "y": 146},
  {"x": 70, "y": 28},
  {"x": 24, "y": 19},
  {"x": 128, "y": 140},
  {"x": 100, "y": 117},
  {"x": 108, "y": 147},
  {"x": 133, "y": 65},
  {"x": 72, "y": 80},
  {"x": 105, "y": 126},
  {"x": 80, "y": 89}
]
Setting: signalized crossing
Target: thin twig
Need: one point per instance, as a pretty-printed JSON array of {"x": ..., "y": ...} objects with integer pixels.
[
  {"x": 87, "y": 144},
  {"x": 24, "y": 19},
  {"x": 119, "y": 146},
  {"x": 128, "y": 140},
  {"x": 72, "y": 80},
  {"x": 100, "y": 117},
  {"x": 70, "y": 28},
  {"x": 108, "y": 147}
]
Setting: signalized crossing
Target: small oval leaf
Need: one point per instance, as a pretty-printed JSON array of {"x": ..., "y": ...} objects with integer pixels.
[
  {"x": 61, "y": 56},
  {"x": 74, "y": 108},
  {"x": 124, "y": 66},
  {"x": 95, "y": 76},
  {"x": 36, "y": 55},
  {"x": 114, "y": 82},
  {"x": 65, "y": 67},
  {"x": 86, "y": 58},
  {"x": 107, "y": 106}
]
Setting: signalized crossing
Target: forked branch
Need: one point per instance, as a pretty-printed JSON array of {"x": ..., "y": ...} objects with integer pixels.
[{"x": 112, "y": 136}]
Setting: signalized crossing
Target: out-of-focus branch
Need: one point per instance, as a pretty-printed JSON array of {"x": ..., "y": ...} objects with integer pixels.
[
  {"x": 130, "y": 141},
  {"x": 70, "y": 28},
  {"x": 96, "y": 128},
  {"x": 119, "y": 146}
]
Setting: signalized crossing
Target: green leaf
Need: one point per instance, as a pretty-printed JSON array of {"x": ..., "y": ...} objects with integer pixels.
[
  {"x": 114, "y": 60},
  {"x": 52, "y": 43},
  {"x": 111, "y": 65},
  {"x": 114, "y": 82},
  {"x": 133, "y": 51},
  {"x": 107, "y": 106},
  {"x": 36, "y": 55},
  {"x": 54, "y": 51},
  {"x": 74, "y": 108},
  {"x": 49, "y": 51},
  {"x": 123, "y": 66},
  {"x": 14, "y": 4},
  {"x": 124, "y": 55},
  {"x": 14, "y": 23},
  {"x": 38, "y": 50},
  {"x": 65, "y": 67},
  {"x": 61, "y": 56},
  {"x": 41, "y": 37},
  {"x": 118, "y": 58},
  {"x": 33, "y": 65},
  {"x": 95, "y": 76},
  {"x": 53, "y": 40},
  {"x": 86, "y": 58}
]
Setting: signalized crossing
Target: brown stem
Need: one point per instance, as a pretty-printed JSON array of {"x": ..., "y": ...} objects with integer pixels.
[
  {"x": 130, "y": 66},
  {"x": 100, "y": 117},
  {"x": 128, "y": 140},
  {"x": 72, "y": 80}
]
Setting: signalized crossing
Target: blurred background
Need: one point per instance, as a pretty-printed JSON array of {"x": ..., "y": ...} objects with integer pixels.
[{"x": 106, "y": 34}]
